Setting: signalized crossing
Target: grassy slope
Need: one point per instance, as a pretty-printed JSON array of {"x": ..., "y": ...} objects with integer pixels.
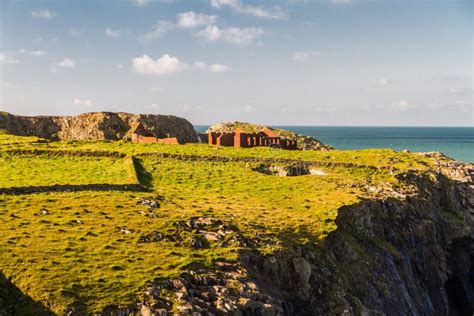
[{"x": 82, "y": 247}]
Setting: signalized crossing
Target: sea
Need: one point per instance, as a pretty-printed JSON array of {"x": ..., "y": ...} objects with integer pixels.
[{"x": 455, "y": 142}]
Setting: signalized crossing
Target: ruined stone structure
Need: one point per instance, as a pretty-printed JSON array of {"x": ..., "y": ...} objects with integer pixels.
[
  {"x": 238, "y": 139},
  {"x": 141, "y": 135}
]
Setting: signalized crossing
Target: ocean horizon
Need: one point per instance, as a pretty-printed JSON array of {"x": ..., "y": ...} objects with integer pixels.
[{"x": 455, "y": 142}]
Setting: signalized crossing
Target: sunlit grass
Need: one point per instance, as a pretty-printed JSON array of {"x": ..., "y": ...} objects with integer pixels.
[
  {"x": 82, "y": 247},
  {"x": 29, "y": 170}
]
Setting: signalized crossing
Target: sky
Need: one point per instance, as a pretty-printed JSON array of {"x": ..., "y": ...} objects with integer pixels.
[{"x": 282, "y": 62}]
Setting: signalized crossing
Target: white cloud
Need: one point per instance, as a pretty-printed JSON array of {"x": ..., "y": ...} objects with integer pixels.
[
  {"x": 113, "y": 33},
  {"x": 249, "y": 109},
  {"x": 119, "y": 66},
  {"x": 214, "y": 68},
  {"x": 6, "y": 58},
  {"x": 401, "y": 106},
  {"x": 155, "y": 106},
  {"x": 43, "y": 14},
  {"x": 211, "y": 33},
  {"x": 159, "y": 30},
  {"x": 192, "y": 20},
  {"x": 383, "y": 81},
  {"x": 38, "y": 53},
  {"x": 460, "y": 91},
  {"x": 86, "y": 103},
  {"x": 164, "y": 65},
  {"x": 301, "y": 57},
  {"x": 241, "y": 36},
  {"x": 5, "y": 84},
  {"x": 167, "y": 64},
  {"x": 65, "y": 63},
  {"x": 141, "y": 3},
  {"x": 261, "y": 12},
  {"x": 465, "y": 106},
  {"x": 11, "y": 57},
  {"x": 234, "y": 35},
  {"x": 186, "y": 20},
  {"x": 156, "y": 89}
]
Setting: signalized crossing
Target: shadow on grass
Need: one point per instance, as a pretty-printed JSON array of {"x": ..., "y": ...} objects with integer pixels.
[
  {"x": 71, "y": 188},
  {"x": 14, "y": 302},
  {"x": 144, "y": 177}
]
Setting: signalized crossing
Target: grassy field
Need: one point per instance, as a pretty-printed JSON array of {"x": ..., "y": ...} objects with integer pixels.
[
  {"x": 41, "y": 170},
  {"x": 86, "y": 248}
]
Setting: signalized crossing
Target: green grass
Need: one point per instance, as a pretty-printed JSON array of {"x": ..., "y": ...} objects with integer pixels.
[
  {"x": 82, "y": 247},
  {"x": 42, "y": 170},
  {"x": 56, "y": 259}
]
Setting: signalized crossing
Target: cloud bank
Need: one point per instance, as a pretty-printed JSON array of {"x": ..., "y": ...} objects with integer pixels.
[{"x": 167, "y": 65}]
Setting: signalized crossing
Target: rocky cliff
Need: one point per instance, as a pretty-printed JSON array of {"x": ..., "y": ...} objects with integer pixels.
[
  {"x": 304, "y": 142},
  {"x": 97, "y": 126},
  {"x": 411, "y": 255}
]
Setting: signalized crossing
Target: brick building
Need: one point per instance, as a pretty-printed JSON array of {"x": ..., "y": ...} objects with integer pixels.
[
  {"x": 140, "y": 135},
  {"x": 238, "y": 139}
]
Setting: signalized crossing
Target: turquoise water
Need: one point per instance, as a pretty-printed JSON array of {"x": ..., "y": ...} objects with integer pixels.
[{"x": 455, "y": 142}]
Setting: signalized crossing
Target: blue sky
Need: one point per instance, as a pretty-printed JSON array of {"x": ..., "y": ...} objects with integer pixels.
[{"x": 286, "y": 62}]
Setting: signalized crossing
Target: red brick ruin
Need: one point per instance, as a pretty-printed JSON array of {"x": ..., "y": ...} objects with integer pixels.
[
  {"x": 240, "y": 139},
  {"x": 140, "y": 135}
]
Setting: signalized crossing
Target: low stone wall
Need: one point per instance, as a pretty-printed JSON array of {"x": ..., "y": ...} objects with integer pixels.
[
  {"x": 78, "y": 153},
  {"x": 134, "y": 184},
  {"x": 306, "y": 163},
  {"x": 71, "y": 188}
]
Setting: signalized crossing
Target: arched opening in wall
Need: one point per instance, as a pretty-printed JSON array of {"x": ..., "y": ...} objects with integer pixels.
[{"x": 459, "y": 303}]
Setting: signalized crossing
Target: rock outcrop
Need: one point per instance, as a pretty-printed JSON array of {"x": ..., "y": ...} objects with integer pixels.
[
  {"x": 97, "y": 126},
  {"x": 304, "y": 142}
]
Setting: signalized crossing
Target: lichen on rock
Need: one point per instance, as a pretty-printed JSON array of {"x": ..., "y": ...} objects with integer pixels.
[{"x": 98, "y": 126}]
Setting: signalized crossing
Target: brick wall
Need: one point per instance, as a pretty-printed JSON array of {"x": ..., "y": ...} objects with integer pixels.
[
  {"x": 241, "y": 139},
  {"x": 150, "y": 139}
]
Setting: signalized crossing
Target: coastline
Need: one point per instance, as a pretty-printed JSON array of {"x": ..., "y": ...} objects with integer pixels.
[{"x": 455, "y": 142}]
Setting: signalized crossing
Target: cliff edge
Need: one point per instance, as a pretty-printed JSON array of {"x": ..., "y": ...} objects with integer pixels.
[{"x": 97, "y": 126}]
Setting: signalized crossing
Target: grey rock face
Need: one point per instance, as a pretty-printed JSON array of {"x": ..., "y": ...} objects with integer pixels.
[
  {"x": 387, "y": 257},
  {"x": 97, "y": 126}
]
